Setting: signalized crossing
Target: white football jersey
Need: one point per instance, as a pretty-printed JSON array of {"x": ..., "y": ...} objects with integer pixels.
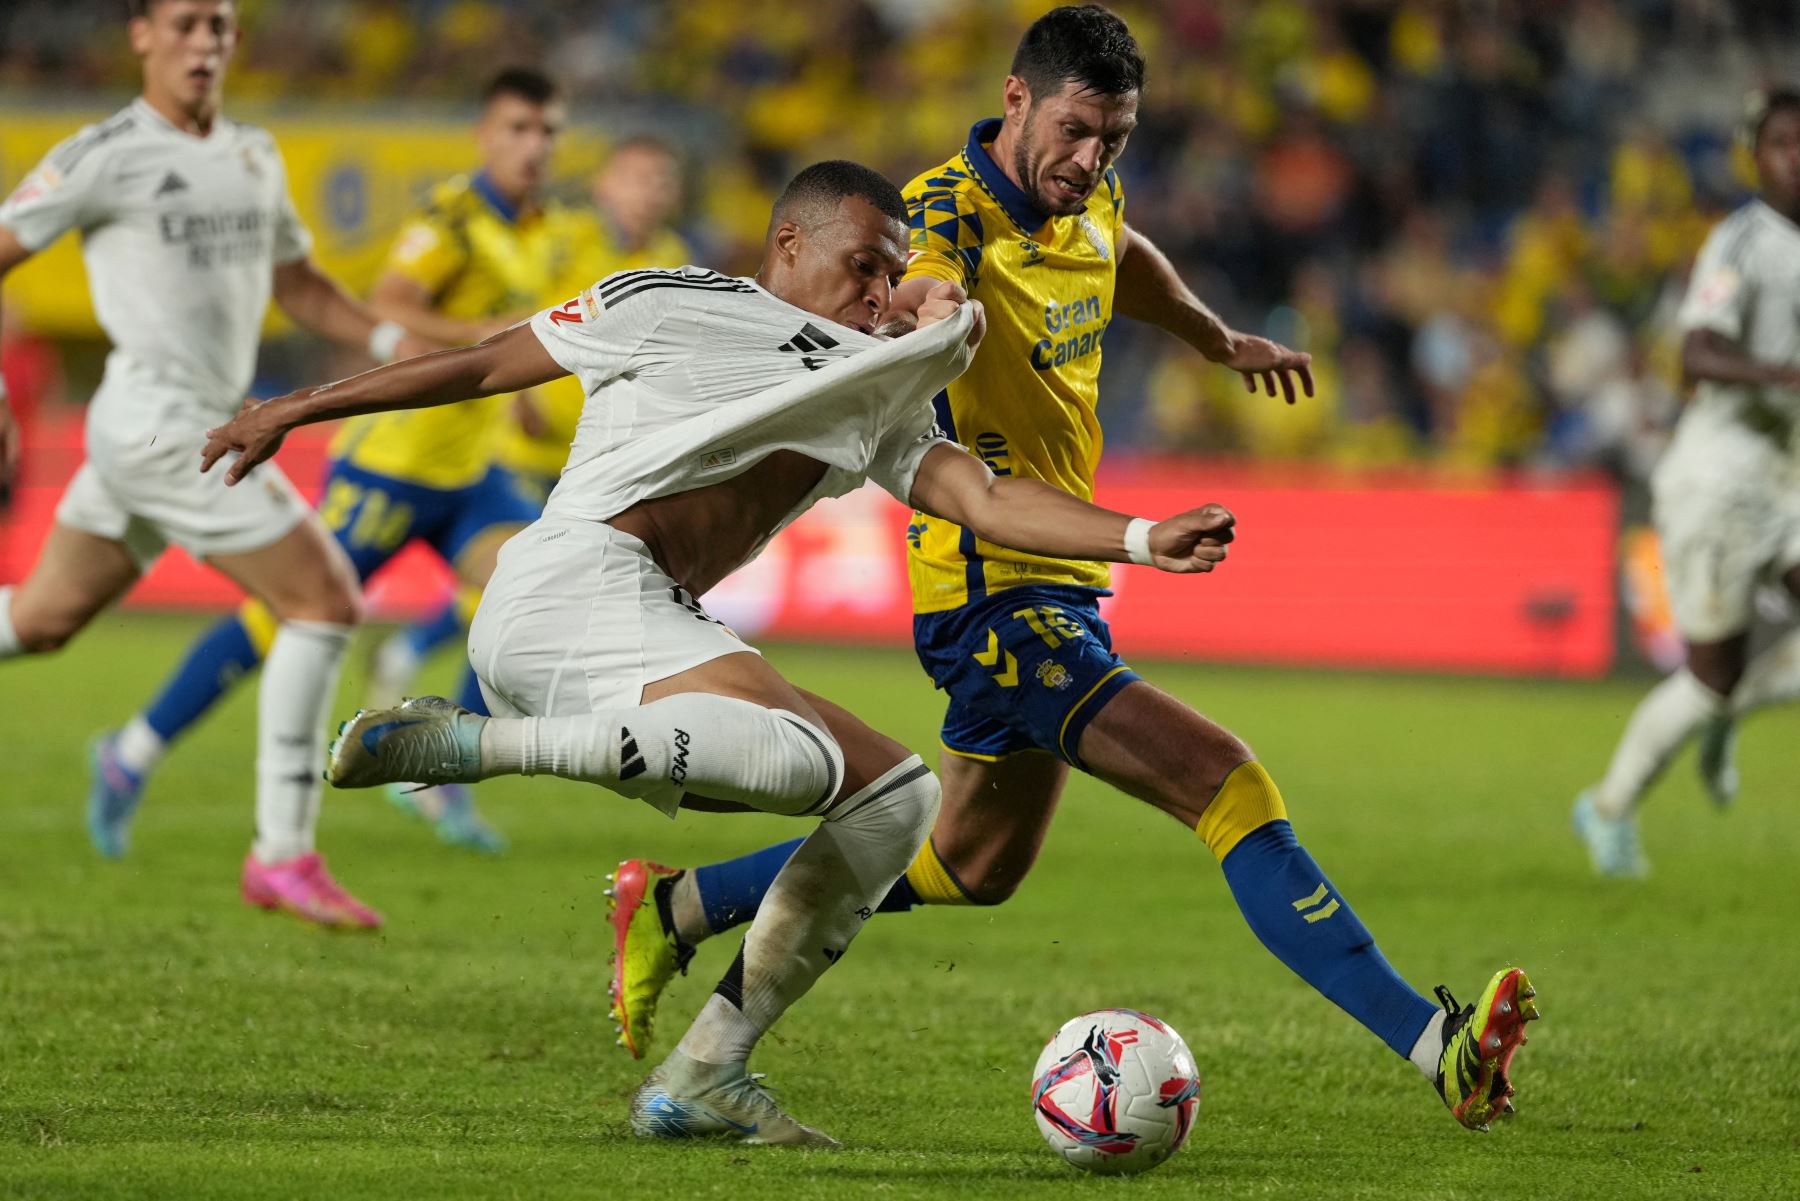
[
  {"x": 181, "y": 235},
  {"x": 1746, "y": 286},
  {"x": 692, "y": 377}
]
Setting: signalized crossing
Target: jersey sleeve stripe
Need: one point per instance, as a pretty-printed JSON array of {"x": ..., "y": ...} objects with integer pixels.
[
  {"x": 614, "y": 283},
  {"x": 726, "y": 285}
]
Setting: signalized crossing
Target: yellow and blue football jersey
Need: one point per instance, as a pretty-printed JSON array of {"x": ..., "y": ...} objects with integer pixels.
[
  {"x": 594, "y": 252},
  {"x": 476, "y": 257},
  {"x": 1026, "y": 406}
]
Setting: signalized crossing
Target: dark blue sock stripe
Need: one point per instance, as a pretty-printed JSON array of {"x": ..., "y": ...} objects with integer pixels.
[
  {"x": 1269, "y": 873},
  {"x": 731, "y": 891},
  {"x": 216, "y": 661},
  {"x": 468, "y": 693}
]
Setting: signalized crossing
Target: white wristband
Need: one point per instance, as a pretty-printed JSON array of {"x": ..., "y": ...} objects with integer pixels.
[
  {"x": 1137, "y": 541},
  {"x": 384, "y": 340}
]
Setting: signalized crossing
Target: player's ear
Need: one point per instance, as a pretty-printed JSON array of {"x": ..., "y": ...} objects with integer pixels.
[
  {"x": 1015, "y": 98},
  {"x": 137, "y": 34},
  {"x": 787, "y": 241}
]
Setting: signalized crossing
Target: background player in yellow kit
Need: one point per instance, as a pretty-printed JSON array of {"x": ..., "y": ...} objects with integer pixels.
[
  {"x": 484, "y": 248},
  {"x": 1029, "y": 218},
  {"x": 636, "y": 193}
]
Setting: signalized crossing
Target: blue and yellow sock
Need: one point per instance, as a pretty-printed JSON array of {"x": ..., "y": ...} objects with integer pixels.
[
  {"x": 468, "y": 693},
  {"x": 1299, "y": 916},
  {"x": 229, "y": 650},
  {"x": 731, "y": 891}
]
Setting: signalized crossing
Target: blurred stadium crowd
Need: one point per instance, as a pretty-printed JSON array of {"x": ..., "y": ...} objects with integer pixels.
[{"x": 1477, "y": 215}]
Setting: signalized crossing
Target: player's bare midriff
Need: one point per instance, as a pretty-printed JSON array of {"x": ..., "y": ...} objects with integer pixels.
[{"x": 701, "y": 536}]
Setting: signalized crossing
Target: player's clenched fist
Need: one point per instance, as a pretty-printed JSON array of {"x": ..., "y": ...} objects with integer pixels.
[
  {"x": 941, "y": 303},
  {"x": 1193, "y": 541}
]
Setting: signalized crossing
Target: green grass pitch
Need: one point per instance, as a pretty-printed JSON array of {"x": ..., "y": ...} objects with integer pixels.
[{"x": 160, "y": 1039}]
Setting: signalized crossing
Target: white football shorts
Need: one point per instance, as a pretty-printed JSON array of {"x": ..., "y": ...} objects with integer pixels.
[
  {"x": 1723, "y": 535},
  {"x": 150, "y": 494},
  {"x": 578, "y": 617}
]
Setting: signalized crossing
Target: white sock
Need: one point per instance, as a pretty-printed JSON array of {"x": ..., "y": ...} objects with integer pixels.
[
  {"x": 299, "y": 681},
  {"x": 1429, "y": 1047},
  {"x": 391, "y": 673},
  {"x": 712, "y": 746},
  {"x": 9, "y": 638},
  {"x": 139, "y": 747},
  {"x": 1665, "y": 719},
  {"x": 816, "y": 905},
  {"x": 1771, "y": 678}
]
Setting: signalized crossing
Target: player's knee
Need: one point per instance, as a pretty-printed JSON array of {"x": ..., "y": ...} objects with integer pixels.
[
  {"x": 337, "y": 603},
  {"x": 897, "y": 809},
  {"x": 993, "y": 887},
  {"x": 45, "y": 639},
  {"x": 817, "y": 757},
  {"x": 42, "y": 633}
]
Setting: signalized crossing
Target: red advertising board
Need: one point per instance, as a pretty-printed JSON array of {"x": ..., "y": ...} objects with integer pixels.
[{"x": 1411, "y": 571}]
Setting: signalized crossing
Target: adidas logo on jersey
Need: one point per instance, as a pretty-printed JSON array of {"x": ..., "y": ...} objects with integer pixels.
[
  {"x": 631, "y": 760},
  {"x": 809, "y": 339},
  {"x": 171, "y": 184}
]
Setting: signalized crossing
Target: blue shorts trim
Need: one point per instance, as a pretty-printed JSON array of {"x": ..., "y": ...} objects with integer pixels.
[
  {"x": 1026, "y": 669},
  {"x": 373, "y": 516}
]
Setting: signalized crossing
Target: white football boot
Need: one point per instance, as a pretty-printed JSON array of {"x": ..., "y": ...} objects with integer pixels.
[{"x": 685, "y": 1098}]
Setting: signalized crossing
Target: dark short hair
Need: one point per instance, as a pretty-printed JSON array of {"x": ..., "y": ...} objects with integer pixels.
[
  {"x": 1764, "y": 104},
  {"x": 1079, "y": 43},
  {"x": 527, "y": 83},
  {"x": 826, "y": 184}
]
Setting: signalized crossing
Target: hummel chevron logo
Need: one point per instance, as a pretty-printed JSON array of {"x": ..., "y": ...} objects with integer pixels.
[
  {"x": 1317, "y": 915},
  {"x": 171, "y": 183},
  {"x": 631, "y": 762},
  {"x": 809, "y": 339}
]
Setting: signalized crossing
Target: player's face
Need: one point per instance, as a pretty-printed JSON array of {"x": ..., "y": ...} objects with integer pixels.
[
  {"x": 641, "y": 188},
  {"x": 845, "y": 268},
  {"x": 185, "y": 45},
  {"x": 516, "y": 138},
  {"x": 1067, "y": 141},
  {"x": 1778, "y": 159}
]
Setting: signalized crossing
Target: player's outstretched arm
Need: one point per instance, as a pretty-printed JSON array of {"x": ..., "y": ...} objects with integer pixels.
[
  {"x": 12, "y": 253},
  {"x": 507, "y": 362},
  {"x": 405, "y": 301},
  {"x": 1034, "y": 517},
  {"x": 1148, "y": 289},
  {"x": 314, "y": 300}
]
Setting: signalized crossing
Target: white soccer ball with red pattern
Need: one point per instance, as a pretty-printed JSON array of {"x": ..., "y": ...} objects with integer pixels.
[{"x": 1115, "y": 1091}]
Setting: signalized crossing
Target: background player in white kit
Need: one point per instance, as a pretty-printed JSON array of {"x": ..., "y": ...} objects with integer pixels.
[
  {"x": 717, "y": 411},
  {"x": 1727, "y": 494},
  {"x": 187, "y": 229}
]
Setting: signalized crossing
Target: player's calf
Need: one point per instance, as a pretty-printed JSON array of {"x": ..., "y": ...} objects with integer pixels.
[{"x": 692, "y": 742}]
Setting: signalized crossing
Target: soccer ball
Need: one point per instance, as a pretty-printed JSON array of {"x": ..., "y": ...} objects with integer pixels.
[{"x": 1115, "y": 1091}]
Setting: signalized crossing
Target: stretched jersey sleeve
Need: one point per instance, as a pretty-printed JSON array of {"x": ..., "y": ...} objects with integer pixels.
[
  {"x": 598, "y": 335},
  {"x": 1720, "y": 291},
  {"x": 431, "y": 249},
  {"x": 66, "y": 191},
  {"x": 946, "y": 232},
  {"x": 903, "y": 448}
]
